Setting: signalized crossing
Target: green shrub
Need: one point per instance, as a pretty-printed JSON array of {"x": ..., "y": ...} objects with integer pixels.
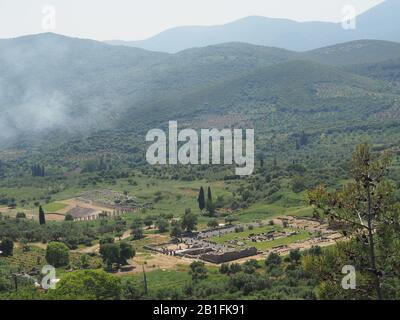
[{"x": 57, "y": 254}]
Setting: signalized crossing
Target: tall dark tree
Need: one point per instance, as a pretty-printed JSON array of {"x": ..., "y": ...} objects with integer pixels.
[
  {"x": 34, "y": 170},
  {"x": 210, "y": 207},
  {"x": 275, "y": 162},
  {"x": 261, "y": 158},
  {"x": 209, "y": 195},
  {"x": 201, "y": 199},
  {"x": 38, "y": 170},
  {"x": 42, "y": 218},
  {"x": 145, "y": 281},
  {"x": 303, "y": 140}
]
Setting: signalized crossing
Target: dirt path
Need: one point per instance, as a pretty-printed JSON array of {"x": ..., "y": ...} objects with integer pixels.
[
  {"x": 156, "y": 261},
  {"x": 96, "y": 247}
]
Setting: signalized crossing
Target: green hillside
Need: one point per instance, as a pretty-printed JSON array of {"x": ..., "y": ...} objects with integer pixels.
[
  {"x": 387, "y": 70},
  {"x": 96, "y": 100},
  {"x": 279, "y": 88},
  {"x": 355, "y": 52}
]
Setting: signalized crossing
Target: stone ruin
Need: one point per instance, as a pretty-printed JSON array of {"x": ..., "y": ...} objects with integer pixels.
[
  {"x": 219, "y": 258},
  {"x": 111, "y": 200},
  {"x": 204, "y": 252}
]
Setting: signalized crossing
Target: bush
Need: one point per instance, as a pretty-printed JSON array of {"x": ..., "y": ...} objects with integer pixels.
[
  {"x": 57, "y": 254},
  {"x": 230, "y": 219},
  {"x": 162, "y": 225},
  {"x": 298, "y": 184},
  {"x": 213, "y": 223},
  {"x": 224, "y": 268},
  {"x": 295, "y": 255},
  {"x": 247, "y": 283},
  {"x": 273, "y": 259},
  {"x": 235, "y": 268},
  {"x": 148, "y": 221},
  {"x": 239, "y": 229},
  {"x": 110, "y": 253},
  {"x": 106, "y": 240},
  {"x": 126, "y": 252},
  {"x": 7, "y": 247},
  {"x": 198, "y": 271},
  {"x": 69, "y": 217},
  {"x": 137, "y": 233},
  {"x": 88, "y": 285},
  {"x": 315, "y": 251}
]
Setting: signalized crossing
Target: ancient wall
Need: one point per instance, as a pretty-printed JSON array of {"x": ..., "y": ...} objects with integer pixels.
[
  {"x": 195, "y": 252},
  {"x": 229, "y": 256}
]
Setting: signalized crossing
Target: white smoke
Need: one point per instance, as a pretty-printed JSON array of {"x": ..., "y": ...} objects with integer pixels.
[{"x": 38, "y": 112}]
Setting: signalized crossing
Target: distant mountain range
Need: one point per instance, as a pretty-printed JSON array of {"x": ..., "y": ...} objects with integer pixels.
[{"x": 379, "y": 23}]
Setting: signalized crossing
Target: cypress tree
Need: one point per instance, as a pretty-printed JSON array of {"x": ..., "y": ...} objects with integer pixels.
[
  {"x": 201, "y": 200},
  {"x": 34, "y": 170},
  {"x": 145, "y": 281},
  {"x": 38, "y": 170},
  {"x": 42, "y": 218},
  {"x": 303, "y": 139},
  {"x": 275, "y": 163},
  {"x": 209, "y": 195}
]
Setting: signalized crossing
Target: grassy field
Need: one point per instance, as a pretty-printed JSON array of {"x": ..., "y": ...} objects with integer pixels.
[
  {"x": 54, "y": 207},
  {"x": 160, "y": 279},
  {"x": 263, "y": 211},
  {"x": 172, "y": 279},
  {"x": 241, "y": 236},
  {"x": 168, "y": 197},
  {"x": 303, "y": 235}
]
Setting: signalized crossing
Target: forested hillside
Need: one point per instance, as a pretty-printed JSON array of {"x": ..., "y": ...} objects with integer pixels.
[{"x": 71, "y": 86}]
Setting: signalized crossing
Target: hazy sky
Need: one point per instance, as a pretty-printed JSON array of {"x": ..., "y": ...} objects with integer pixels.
[{"x": 139, "y": 19}]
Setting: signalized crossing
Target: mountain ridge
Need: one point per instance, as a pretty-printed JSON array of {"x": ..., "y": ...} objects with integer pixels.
[{"x": 379, "y": 23}]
